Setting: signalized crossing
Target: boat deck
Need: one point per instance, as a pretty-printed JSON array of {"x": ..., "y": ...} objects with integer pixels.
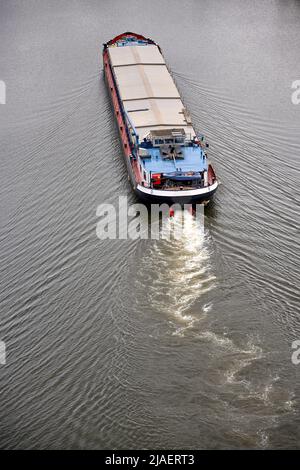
[
  {"x": 146, "y": 88},
  {"x": 192, "y": 160},
  {"x": 166, "y": 158}
]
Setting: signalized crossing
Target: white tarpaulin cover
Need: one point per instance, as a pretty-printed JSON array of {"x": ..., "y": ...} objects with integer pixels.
[
  {"x": 145, "y": 113},
  {"x": 147, "y": 89},
  {"x": 145, "y": 81},
  {"x": 128, "y": 55}
]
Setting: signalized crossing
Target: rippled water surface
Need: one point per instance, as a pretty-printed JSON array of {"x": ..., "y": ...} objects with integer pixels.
[{"x": 149, "y": 344}]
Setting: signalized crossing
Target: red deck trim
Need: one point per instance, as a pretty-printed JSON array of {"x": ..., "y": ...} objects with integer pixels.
[
  {"x": 128, "y": 33},
  {"x": 211, "y": 176}
]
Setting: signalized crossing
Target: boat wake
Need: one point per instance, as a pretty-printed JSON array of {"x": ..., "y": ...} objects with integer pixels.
[{"x": 179, "y": 274}]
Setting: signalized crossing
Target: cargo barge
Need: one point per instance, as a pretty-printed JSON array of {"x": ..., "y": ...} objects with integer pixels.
[{"x": 166, "y": 159}]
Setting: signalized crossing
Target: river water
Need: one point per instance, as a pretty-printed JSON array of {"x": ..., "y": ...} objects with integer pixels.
[{"x": 131, "y": 344}]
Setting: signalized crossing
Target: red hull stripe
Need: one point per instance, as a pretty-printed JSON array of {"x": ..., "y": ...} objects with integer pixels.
[
  {"x": 211, "y": 175},
  {"x": 119, "y": 117}
]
